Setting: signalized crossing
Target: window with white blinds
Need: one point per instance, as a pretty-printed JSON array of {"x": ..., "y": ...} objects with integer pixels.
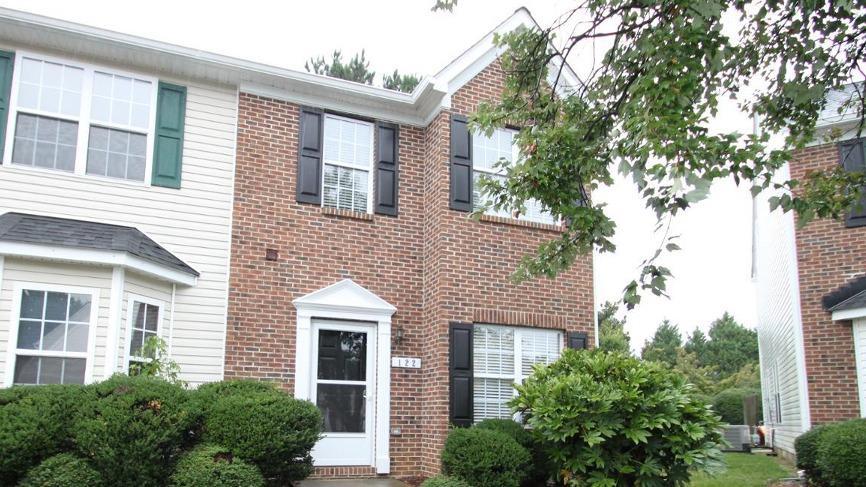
[{"x": 503, "y": 356}]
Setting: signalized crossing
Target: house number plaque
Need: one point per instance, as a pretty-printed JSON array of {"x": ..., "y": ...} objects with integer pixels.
[{"x": 406, "y": 362}]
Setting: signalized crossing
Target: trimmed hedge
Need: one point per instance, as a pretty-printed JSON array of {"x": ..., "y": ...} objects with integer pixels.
[
  {"x": 63, "y": 470},
  {"x": 34, "y": 424},
  {"x": 806, "y": 447},
  {"x": 485, "y": 458},
  {"x": 207, "y": 395},
  {"x": 134, "y": 429},
  {"x": 540, "y": 469},
  {"x": 729, "y": 404},
  {"x": 841, "y": 455},
  {"x": 444, "y": 481},
  {"x": 274, "y": 431},
  {"x": 215, "y": 466}
]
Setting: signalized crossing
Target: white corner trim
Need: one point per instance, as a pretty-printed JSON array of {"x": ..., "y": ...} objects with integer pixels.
[
  {"x": 799, "y": 341},
  {"x": 346, "y": 300},
  {"x": 115, "y": 312},
  {"x": 99, "y": 257},
  {"x": 849, "y": 314}
]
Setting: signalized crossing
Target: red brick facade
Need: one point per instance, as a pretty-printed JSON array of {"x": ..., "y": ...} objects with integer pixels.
[
  {"x": 828, "y": 256},
  {"x": 435, "y": 265}
]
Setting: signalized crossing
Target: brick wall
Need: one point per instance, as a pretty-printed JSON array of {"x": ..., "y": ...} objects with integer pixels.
[
  {"x": 828, "y": 256},
  {"x": 433, "y": 264}
]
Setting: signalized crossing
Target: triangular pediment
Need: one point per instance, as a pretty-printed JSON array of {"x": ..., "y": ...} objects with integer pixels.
[{"x": 345, "y": 294}]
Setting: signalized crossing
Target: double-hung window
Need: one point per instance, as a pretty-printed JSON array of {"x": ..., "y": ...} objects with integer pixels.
[
  {"x": 144, "y": 320},
  {"x": 53, "y": 334},
  {"x": 487, "y": 154},
  {"x": 81, "y": 119},
  {"x": 504, "y": 356},
  {"x": 347, "y": 180}
]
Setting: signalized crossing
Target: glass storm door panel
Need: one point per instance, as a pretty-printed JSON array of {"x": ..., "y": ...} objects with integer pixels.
[{"x": 343, "y": 384}]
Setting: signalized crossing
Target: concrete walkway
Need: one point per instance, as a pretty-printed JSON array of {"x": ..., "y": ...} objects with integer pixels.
[{"x": 352, "y": 483}]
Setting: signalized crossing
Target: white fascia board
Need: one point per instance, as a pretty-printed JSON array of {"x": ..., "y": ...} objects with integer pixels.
[
  {"x": 98, "y": 257},
  {"x": 849, "y": 314}
]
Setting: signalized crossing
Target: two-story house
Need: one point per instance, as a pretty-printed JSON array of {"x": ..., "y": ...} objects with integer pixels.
[
  {"x": 811, "y": 284},
  {"x": 271, "y": 224}
]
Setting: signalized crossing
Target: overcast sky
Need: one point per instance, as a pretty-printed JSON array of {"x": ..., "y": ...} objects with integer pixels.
[{"x": 711, "y": 273}]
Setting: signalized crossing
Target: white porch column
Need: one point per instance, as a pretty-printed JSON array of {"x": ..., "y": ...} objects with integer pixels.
[
  {"x": 303, "y": 349},
  {"x": 383, "y": 397},
  {"x": 115, "y": 311}
]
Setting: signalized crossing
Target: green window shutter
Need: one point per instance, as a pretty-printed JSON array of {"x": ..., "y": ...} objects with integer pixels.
[
  {"x": 7, "y": 62},
  {"x": 168, "y": 145}
]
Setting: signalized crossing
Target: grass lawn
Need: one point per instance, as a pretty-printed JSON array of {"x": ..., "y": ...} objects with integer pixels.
[{"x": 745, "y": 470}]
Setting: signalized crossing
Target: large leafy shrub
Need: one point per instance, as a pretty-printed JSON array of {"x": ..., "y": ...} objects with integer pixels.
[
  {"x": 207, "y": 395},
  {"x": 34, "y": 424},
  {"x": 841, "y": 454},
  {"x": 444, "y": 481},
  {"x": 215, "y": 466},
  {"x": 612, "y": 419},
  {"x": 134, "y": 429},
  {"x": 63, "y": 470},
  {"x": 484, "y": 458},
  {"x": 729, "y": 404},
  {"x": 274, "y": 431},
  {"x": 540, "y": 469},
  {"x": 806, "y": 447}
]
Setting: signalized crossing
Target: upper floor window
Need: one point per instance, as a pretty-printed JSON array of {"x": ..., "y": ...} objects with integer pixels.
[
  {"x": 503, "y": 356},
  {"x": 347, "y": 180},
  {"x": 53, "y": 335},
  {"x": 487, "y": 152},
  {"x": 77, "y": 118}
]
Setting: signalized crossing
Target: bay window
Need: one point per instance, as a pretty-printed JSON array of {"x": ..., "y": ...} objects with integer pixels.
[{"x": 143, "y": 322}]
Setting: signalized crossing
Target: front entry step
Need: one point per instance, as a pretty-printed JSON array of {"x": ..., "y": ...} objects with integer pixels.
[{"x": 352, "y": 483}]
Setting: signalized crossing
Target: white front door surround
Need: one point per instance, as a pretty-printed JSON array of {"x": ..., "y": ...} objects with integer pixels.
[{"x": 347, "y": 306}]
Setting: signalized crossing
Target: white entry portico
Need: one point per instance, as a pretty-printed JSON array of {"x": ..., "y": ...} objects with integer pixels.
[{"x": 343, "y": 364}]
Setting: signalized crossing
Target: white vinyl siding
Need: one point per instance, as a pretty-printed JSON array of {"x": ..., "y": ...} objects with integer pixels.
[
  {"x": 779, "y": 325},
  {"x": 860, "y": 358},
  {"x": 503, "y": 356},
  {"x": 488, "y": 154},
  {"x": 193, "y": 222}
]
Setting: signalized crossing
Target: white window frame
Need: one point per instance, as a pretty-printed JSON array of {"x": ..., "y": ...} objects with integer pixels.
[
  {"x": 518, "y": 331},
  {"x": 130, "y": 306},
  {"x": 515, "y": 155},
  {"x": 12, "y": 351},
  {"x": 83, "y": 120},
  {"x": 370, "y": 170}
]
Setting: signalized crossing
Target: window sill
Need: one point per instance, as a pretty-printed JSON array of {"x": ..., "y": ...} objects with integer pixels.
[
  {"x": 354, "y": 215},
  {"x": 550, "y": 227}
]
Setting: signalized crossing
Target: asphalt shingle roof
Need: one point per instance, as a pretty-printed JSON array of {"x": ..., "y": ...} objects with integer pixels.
[
  {"x": 851, "y": 295},
  {"x": 64, "y": 232}
]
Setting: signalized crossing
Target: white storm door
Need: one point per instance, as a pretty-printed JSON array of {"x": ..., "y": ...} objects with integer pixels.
[{"x": 344, "y": 388}]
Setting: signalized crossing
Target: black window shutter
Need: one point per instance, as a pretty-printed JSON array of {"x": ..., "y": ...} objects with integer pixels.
[
  {"x": 387, "y": 142},
  {"x": 461, "y": 164},
  {"x": 7, "y": 62},
  {"x": 577, "y": 340},
  {"x": 310, "y": 156},
  {"x": 852, "y": 158},
  {"x": 460, "y": 372}
]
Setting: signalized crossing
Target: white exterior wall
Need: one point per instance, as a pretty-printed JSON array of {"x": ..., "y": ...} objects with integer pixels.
[
  {"x": 193, "y": 222},
  {"x": 779, "y": 324},
  {"x": 860, "y": 356}
]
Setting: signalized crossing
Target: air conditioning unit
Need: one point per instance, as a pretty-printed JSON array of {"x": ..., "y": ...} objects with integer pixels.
[{"x": 738, "y": 437}]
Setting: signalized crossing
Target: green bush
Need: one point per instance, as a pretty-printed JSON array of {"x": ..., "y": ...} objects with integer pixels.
[
  {"x": 612, "y": 418},
  {"x": 540, "y": 469},
  {"x": 484, "y": 458},
  {"x": 274, "y": 431},
  {"x": 63, "y": 470},
  {"x": 444, "y": 481},
  {"x": 215, "y": 466},
  {"x": 729, "y": 404},
  {"x": 841, "y": 454},
  {"x": 207, "y": 395},
  {"x": 134, "y": 429},
  {"x": 34, "y": 424},
  {"x": 806, "y": 448}
]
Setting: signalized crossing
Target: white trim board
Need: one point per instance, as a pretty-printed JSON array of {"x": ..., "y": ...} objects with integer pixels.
[
  {"x": 98, "y": 257},
  {"x": 347, "y": 301}
]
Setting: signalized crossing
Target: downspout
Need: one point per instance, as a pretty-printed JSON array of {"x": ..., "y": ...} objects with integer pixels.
[{"x": 171, "y": 319}]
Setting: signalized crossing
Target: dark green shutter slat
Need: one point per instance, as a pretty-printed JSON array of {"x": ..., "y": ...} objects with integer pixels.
[
  {"x": 309, "y": 188},
  {"x": 168, "y": 147},
  {"x": 851, "y": 155},
  {"x": 7, "y": 63},
  {"x": 387, "y": 174},
  {"x": 578, "y": 340},
  {"x": 460, "y": 374},
  {"x": 461, "y": 164}
]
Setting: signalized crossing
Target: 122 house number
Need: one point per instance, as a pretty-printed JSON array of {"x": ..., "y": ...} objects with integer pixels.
[{"x": 406, "y": 362}]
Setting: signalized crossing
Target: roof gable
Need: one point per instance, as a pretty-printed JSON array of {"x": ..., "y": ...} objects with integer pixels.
[{"x": 345, "y": 294}]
